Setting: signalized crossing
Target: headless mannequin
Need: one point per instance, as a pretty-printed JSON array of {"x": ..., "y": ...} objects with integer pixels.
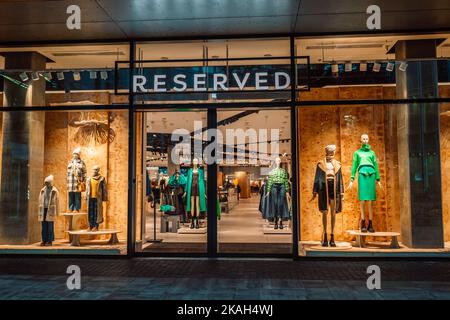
[
  {"x": 288, "y": 197},
  {"x": 363, "y": 203},
  {"x": 195, "y": 200},
  {"x": 329, "y": 157}
]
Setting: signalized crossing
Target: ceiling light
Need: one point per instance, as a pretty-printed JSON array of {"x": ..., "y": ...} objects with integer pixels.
[
  {"x": 164, "y": 58},
  {"x": 103, "y": 75},
  {"x": 363, "y": 67},
  {"x": 348, "y": 67},
  {"x": 390, "y": 66},
  {"x": 92, "y": 74},
  {"x": 376, "y": 67},
  {"x": 76, "y": 76},
  {"x": 267, "y": 55},
  {"x": 23, "y": 76},
  {"x": 60, "y": 75},
  {"x": 35, "y": 76},
  {"x": 215, "y": 57},
  {"x": 403, "y": 66}
]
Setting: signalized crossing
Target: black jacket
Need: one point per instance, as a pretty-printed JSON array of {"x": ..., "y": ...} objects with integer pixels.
[{"x": 320, "y": 185}]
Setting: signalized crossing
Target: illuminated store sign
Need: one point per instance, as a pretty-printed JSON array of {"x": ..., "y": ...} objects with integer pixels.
[{"x": 203, "y": 82}]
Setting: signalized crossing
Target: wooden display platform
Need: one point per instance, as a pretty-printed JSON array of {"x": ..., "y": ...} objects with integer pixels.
[
  {"x": 269, "y": 229},
  {"x": 361, "y": 237},
  {"x": 76, "y": 236},
  {"x": 187, "y": 230}
]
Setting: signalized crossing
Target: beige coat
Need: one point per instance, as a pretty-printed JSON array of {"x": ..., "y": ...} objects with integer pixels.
[
  {"x": 102, "y": 195},
  {"x": 53, "y": 205}
]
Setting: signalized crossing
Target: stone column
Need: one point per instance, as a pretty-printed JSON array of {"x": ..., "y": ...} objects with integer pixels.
[
  {"x": 23, "y": 152},
  {"x": 418, "y": 148}
]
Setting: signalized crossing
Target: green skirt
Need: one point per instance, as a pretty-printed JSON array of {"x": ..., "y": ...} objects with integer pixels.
[{"x": 367, "y": 183}]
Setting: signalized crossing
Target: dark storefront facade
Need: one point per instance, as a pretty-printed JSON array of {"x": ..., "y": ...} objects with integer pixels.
[{"x": 247, "y": 146}]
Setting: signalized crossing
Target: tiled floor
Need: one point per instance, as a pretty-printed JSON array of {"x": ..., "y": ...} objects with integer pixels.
[{"x": 188, "y": 279}]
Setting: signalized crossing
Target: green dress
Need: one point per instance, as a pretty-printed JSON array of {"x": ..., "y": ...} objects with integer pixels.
[{"x": 365, "y": 163}]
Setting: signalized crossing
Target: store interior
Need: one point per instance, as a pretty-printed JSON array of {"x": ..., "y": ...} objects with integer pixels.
[{"x": 243, "y": 226}]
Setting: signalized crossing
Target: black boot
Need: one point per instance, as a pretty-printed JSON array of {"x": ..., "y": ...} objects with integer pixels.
[
  {"x": 192, "y": 223},
  {"x": 332, "y": 244},
  {"x": 325, "y": 240},
  {"x": 276, "y": 223},
  {"x": 363, "y": 226},
  {"x": 370, "y": 227},
  {"x": 281, "y": 223},
  {"x": 196, "y": 224}
]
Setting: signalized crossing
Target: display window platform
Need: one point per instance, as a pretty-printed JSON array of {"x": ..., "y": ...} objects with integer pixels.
[{"x": 372, "y": 249}]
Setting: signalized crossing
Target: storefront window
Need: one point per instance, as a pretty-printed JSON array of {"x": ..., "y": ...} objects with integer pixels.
[
  {"x": 64, "y": 163},
  {"x": 64, "y": 181}
]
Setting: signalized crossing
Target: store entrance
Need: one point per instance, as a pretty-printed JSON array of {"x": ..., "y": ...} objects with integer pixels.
[
  {"x": 254, "y": 182},
  {"x": 253, "y": 157}
]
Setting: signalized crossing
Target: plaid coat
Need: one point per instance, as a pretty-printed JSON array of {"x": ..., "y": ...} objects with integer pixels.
[{"x": 75, "y": 169}]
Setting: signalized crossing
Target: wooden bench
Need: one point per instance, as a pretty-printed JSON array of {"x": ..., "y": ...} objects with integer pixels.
[
  {"x": 76, "y": 236},
  {"x": 361, "y": 237}
]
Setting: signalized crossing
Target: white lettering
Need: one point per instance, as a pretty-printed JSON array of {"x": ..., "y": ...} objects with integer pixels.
[
  {"x": 139, "y": 82},
  {"x": 221, "y": 83},
  {"x": 259, "y": 81},
  {"x": 241, "y": 84},
  {"x": 287, "y": 80},
  {"x": 198, "y": 82},
  {"x": 157, "y": 83},
  {"x": 177, "y": 80}
]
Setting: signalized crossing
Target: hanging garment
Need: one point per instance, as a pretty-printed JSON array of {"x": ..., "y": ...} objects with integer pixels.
[
  {"x": 278, "y": 203},
  {"x": 177, "y": 187},
  {"x": 201, "y": 190},
  {"x": 101, "y": 194},
  {"x": 365, "y": 163},
  {"x": 329, "y": 187}
]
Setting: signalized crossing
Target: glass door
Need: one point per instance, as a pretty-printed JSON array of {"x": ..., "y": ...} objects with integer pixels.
[{"x": 172, "y": 182}]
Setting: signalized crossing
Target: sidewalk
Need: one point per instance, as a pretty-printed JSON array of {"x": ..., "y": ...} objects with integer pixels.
[{"x": 221, "y": 279}]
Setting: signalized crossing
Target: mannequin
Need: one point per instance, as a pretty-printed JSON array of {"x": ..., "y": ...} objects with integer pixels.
[
  {"x": 195, "y": 193},
  {"x": 278, "y": 190},
  {"x": 365, "y": 163},
  {"x": 163, "y": 190},
  {"x": 177, "y": 185},
  {"x": 96, "y": 193},
  {"x": 328, "y": 185},
  {"x": 76, "y": 180},
  {"x": 48, "y": 210}
]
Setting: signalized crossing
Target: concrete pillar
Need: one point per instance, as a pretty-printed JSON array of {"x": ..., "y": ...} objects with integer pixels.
[
  {"x": 418, "y": 148},
  {"x": 23, "y": 152}
]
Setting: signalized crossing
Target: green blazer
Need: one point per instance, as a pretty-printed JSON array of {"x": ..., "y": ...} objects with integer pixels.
[{"x": 201, "y": 190}]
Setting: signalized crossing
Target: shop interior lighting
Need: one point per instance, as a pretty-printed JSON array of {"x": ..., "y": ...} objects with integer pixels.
[
  {"x": 60, "y": 75},
  {"x": 76, "y": 76},
  {"x": 376, "y": 67},
  {"x": 23, "y": 76},
  {"x": 390, "y": 66},
  {"x": 403, "y": 66}
]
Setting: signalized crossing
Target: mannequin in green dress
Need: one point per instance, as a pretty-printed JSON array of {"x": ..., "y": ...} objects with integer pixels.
[{"x": 365, "y": 163}]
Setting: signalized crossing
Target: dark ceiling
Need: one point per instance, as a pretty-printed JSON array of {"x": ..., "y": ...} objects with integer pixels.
[{"x": 45, "y": 20}]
